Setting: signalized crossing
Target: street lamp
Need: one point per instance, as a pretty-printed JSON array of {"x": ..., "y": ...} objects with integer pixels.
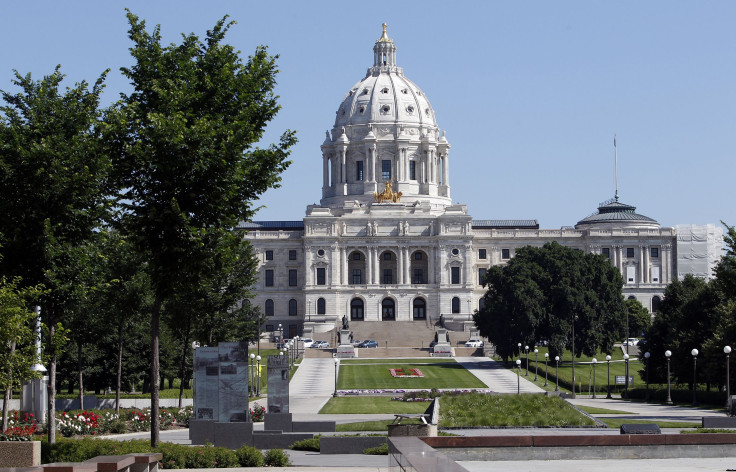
[
  {"x": 288, "y": 356},
  {"x": 546, "y": 367},
  {"x": 608, "y": 363},
  {"x": 252, "y": 366},
  {"x": 337, "y": 363},
  {"x": 518, "y": 376},
  {"x": 309, "y": 310},
  {"x": 595, "y": 361},
  {"x": 536, "y": 362},
  {"x": 557, "y": 374},
  {"x": 727, "y": 351},
  {"x": 626, "y": 380},
  {"x": 646, "y": 367},
  {"x": 694, "y": 352},
  {"x": 526, "y": 353},
  {"x": 519, "y": 345},
  {"x": 258, "y": 376},
  {"x": 574, "y": 319},
  {"x": 668, "y": 354}
]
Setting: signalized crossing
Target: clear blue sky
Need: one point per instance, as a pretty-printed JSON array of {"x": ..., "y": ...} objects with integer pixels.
[{"x": 530, "y": 93}]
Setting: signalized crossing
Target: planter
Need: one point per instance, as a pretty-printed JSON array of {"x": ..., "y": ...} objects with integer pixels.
[{"x": 20, "y": 453}]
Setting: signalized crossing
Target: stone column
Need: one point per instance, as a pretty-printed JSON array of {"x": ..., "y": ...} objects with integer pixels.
[
  {"x": 443, "y": 263},
  {"x": 400, "y": 266},
  {"x": 369, "y": 265},
  {"x": 431, "y": 254},
  {"x": 309, "y": 275},
  {"x": 325, "y": 171},
  {"x": 642, "y": 262},
  {"x": 344, "y": 264}
]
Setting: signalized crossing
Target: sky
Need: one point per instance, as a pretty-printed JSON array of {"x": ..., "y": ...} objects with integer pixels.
[{"x": 530, "y": 93}]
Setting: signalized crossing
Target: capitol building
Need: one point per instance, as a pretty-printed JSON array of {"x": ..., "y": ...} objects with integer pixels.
[{"x": 386, "y": 242}]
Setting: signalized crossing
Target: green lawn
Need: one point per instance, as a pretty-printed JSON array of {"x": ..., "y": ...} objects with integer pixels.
[
  {"x": 380, "y": 425},
  {"x": 445, "y": 373},
  {"x": 352, "y": 405},
  {"x": 508, "y": 410},
  {"x": 617, "y": 422},
  {"x": 592, "y": 410}
]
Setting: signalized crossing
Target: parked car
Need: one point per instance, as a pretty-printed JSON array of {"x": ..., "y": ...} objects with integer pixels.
[
  {"x": 474, "y": 342},
  {"x": 321, "y": 345},
  {"x": 284, "y": 343},
  {"x": 631, "y": 342},
  {"x": 356, "y": 342},
  {"x": 368, "y": 343},
  {"x": 308, "y": 342}
]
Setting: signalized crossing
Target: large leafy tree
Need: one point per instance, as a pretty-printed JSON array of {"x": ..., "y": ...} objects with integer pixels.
[
  {"x": 542, "y": 294},
  {"x": 54, "y": 187},
  {"x": 187, "y": 157},
  {"x": 639, "y": 319}
]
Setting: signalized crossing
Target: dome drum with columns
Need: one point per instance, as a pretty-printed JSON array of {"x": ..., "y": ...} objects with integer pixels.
[{"x": 386, "y": 243}]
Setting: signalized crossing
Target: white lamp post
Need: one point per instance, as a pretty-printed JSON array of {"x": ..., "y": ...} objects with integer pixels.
[
  {"x": 536, "y": 363},
  {"x": 608, "y": 363},
  {"x": 727, "y": 351},
  {"x": 595, "y": 361},
  {"x": 546, "y": 367},
  {"x": 518, "y": 376},
  {"x": 557, "y": 374},
  {"x": 668, "y": 354},
  {"x": 646, "y": 367},
  {"x": 694, "y": 352},
  {"x": 337, "y": 363}
]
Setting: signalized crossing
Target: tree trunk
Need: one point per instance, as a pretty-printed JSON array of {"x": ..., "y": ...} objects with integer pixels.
[
  {"x": 155, "y": 370},
  {"x": 9, "y": 390},
  {"x": 182, "y": 365},
  {"x": 79, "y": 370},
  {"x": 120, "y": 367},
  {"x": 52, "y": 379}
]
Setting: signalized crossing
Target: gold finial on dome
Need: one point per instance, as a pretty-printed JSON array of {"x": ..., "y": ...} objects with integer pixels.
[{"x": 384, "y": 37}]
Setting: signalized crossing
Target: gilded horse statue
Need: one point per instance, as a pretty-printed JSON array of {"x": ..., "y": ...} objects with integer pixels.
[{"x": 387, "y": 195}]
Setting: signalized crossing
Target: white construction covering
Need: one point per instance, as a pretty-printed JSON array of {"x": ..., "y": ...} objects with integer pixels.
[{"x": 699, "y": 248}]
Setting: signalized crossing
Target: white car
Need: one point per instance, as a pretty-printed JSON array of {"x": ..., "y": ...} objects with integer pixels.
[
  {"x": 308, "y": 342},
  {"x": 474, "y": 342},
  {"x": 631, "y": 342},
  {"x": 321, "y": 345}
]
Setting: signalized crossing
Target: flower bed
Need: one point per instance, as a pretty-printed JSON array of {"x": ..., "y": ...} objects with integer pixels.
[{"x": 413, "y": 373}]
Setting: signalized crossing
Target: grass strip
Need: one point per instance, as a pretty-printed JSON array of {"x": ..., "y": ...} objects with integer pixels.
[
  {"x": 617, "y": 422},
  {"x": 371, "y": 405},
  {"x": 377, "y": 376},
  {"x": 593, "y": 410},
  {"x": 377, "y": 425}
]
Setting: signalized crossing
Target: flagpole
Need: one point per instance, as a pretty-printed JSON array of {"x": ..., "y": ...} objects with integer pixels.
[{"x": 615, "y": 154}]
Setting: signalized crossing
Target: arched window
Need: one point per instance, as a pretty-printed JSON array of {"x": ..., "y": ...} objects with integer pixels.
[
  {"x": 420, "y": 309},
  {"x": 481, "y": 304},
  {"x": 292, "y": 307},
  {"x": 356, "y": 309},
  {"x": 455, "y": 304},
  {"x": 269, "y": 307},
  {"x": 388, "y": 309},
  {"x": 321, "y": 309},
  {"x": 655, "y": 303}
]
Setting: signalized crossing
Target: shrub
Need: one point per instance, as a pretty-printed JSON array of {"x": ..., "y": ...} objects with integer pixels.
[
  {"x": 257, "y": 413},
  {"x": 381, "y": 450},
  {"x": 18, "y": 433},
  {"x": 276, "y": 458},
  {"x": 306, "y": 445},
  {"x": 249, "y": 456}
]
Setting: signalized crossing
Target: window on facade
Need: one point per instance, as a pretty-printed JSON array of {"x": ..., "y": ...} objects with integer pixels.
[
  {"x": 418, "y": 276},
  {"x": 356, "y": 309},
  {"x": 388, "y": 309},
  {"x": 655, "y": 274},
  {"x": 359, "y": 170},
  {"x": 412, "y": 170},
  {"x": 269, "y": 327},
  {"x": 292, "y": 277},
  {"x": 420, "y": 309},
  {"x": 455, "y": 275},
  {"x": 386, "y": 256},
  {"x": 455, "y": 304},
  {"x": 292, "y": 307},
  {"x": 417, "y": 256},
  {"x": 387, "y": 277},
  {"x": 481, "y": 276},
  {"x": 269, "y": 278},
  {"x": 482, "y": 254},
  {"x": 321, "y": 276},
  {"x": 629, "y": 252},
  {"x": 481, "y": 304},
  {"x": 654, "y": 252},
  {"x": 268, "y": 309},
  {"x": 357, "y": 279},
  {"x": 505, "y": 253},
  {"x": 386, "y": 170},
  {"x": 321, "y": 306},
  {"x": 292, "y": 254},
  {"x": 269, "y": 255},
  {"x": 655, "y": 303},
  {"x": 356, "y": 256},
  {"x": 606, "y": 252},
  {"x": 630, "y": 274}
]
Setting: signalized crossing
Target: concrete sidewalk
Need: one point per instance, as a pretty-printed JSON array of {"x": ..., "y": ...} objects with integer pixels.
[{"x": 497, "y": 377}]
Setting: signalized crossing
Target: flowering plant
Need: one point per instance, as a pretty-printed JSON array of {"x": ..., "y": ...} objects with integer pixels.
[
  {"x": 84, "y": 423},
  {"x": 257, "y": 413},
  {"x": 18, "y": 433}
]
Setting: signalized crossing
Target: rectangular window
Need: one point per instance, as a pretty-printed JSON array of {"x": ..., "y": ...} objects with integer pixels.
[
  {"x": 359, "y": 170},
  {"x": 630, "y": 274},
  {"x": 386, "y": 170},
  {"x": 655, "y": 274},
  {"x": 412, "y": 170},
  {"x": 455, "y": 275},
  {"x": 418, "y": 276},
  {"x": 292, "y": 254},
  {"x": 269, "y": 327},
  {"x": 356, "y": 256},
  {"x": 321, "y": 276},
  {"x": 357, "y": 277},
  {"x": 606, "y": 252},
  {"x": 417, "y": 256},
  {"x": 269, "y": 255},
  {"x": 629, "y": 252},
  {"x": 269, "y": 278},
  {"x": 505, "y": 253},
  {"x": 482, "y": 254},
  {"x": 481, "y": 275},
  {"x": 655, "y": 252},
  {"x": 292, "y": 277},
  {"x": 388, "y": 278}
]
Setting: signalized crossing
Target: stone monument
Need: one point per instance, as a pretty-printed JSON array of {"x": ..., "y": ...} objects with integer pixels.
[
  {"x": 442, "y": 346},
  {"x": 346, "y": 349},
  {"x": 277, "y": 413}
]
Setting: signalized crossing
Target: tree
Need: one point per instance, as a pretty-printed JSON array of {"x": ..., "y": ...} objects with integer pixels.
[
  {"x": 542, "y": 294},
  {"x": 54, "y": 187},
  {"x": 186, "y": 158},
  {"x": 639, "y": 319}
]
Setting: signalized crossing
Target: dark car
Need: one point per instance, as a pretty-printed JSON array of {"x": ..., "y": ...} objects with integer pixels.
[{"x": 368, "y": 343}]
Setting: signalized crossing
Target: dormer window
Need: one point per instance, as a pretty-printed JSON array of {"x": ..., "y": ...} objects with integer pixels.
[{"x": 384, "y": 90}]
